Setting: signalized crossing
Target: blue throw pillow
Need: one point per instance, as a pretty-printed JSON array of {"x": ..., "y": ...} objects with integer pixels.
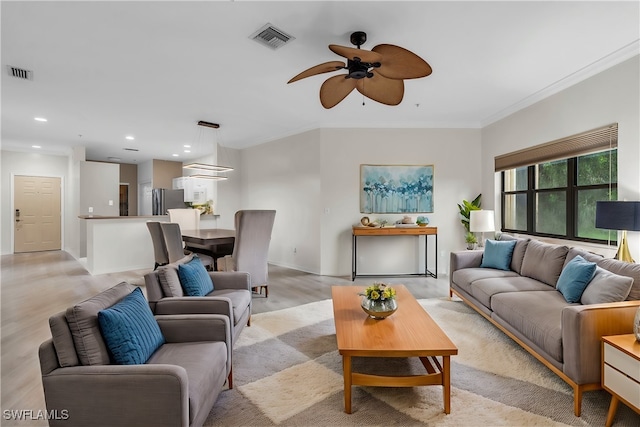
[
  {"x": 497, "y": 254},
  {"x": 575, "y": 277},
  {"x": 129, "y": 329},
  {"x": 194, "y": 278}
]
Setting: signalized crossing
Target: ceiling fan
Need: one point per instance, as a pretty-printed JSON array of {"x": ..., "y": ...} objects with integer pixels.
[{"x": 378, "y": 73}]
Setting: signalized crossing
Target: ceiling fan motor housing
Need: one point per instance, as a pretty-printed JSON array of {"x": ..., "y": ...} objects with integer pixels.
[{"x": 360, "y": 70}]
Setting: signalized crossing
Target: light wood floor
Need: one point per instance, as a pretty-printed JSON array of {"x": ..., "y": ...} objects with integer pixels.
[{"x": 35, "y": 286}]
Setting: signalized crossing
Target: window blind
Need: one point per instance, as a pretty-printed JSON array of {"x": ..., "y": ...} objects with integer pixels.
[{"x": 576, "y": 145}]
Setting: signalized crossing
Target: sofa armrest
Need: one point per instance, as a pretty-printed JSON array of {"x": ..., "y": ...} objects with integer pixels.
[
  {"x": 178, "y": 328},
  {"x": 464, "y": 259},
  {"x": 583, "y": 327},
  {"x": 230, "y": 280},
  {"x": 195, "y": 305},
  {"x": 143, "y": 395}
]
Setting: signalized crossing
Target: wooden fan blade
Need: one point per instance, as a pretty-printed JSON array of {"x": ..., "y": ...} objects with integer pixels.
[
  {"x": 327, "y": 67},
  {"x": 350, "y": 53},
  {"x": 400, "y": 63},
  {"x": 381, "y": 89},
  {"x": 335, "y": 89}
]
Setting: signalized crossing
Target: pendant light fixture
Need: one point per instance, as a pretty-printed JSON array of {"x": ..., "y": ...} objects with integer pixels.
[{"x": 205, "y": 167}]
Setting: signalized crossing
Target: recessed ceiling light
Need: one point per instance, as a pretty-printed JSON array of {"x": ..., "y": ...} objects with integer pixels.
[
  {"x": 129, "y": 137},
  {"x": 39, "y": 119},
  {"x": 176, "y": 155},
  {"x": 36, "y": 146},
  {"x": 187, "y": 151},
  {"x": 186, "y": 146}
]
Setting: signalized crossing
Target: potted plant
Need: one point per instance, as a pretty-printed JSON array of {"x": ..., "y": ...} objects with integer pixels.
[
  {"x": 471, "y": 240},
  {"x": 465, "y": 210}
]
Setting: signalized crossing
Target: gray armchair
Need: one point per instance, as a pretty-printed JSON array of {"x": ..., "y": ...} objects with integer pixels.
[
  {"x": 177, "y": 386},
  {"x": 251, "y": 247},
  {"x": 231, "y": 296}
]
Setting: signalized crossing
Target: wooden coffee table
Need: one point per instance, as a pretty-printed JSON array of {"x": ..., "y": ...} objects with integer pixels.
[{"x": 409, "y": 332}]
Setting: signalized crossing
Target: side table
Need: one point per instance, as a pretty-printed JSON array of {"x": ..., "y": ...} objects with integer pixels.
[{"x": 621, "y": 372}]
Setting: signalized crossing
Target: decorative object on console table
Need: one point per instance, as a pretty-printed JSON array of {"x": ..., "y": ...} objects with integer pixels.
[
  {"x": 472, "y": 241},
  {"x": 619, "y": 215},
  {"x": 422, "y": 221},
  {"x": 481, "y": 221},
  {"x": 379, "y": 301},
  {"x": 396, "y": 189}
]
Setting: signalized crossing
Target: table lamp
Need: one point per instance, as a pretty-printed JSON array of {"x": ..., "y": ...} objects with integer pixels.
[
  {"x": 618, "y": 215},
  {"x": 481, "y": 221}
]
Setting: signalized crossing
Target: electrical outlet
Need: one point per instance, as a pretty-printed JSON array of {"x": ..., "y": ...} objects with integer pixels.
[
  {"x": 90, "y": 209},
  {"x": 110, "y": 202},
  {"x": 295, "y": 250}
]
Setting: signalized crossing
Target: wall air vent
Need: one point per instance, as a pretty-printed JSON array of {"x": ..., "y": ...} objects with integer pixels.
[
  {"x": 271, "y": 36},
  {"x": 20, "y": 73}
]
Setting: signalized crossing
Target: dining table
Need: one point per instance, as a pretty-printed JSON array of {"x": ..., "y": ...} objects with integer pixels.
[{"x": 209, "y": 238}]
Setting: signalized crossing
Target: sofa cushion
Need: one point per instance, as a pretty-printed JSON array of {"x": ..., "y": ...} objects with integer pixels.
[
  {"x": 63, "y": 341},
  {"x": 518, "y": 251},
  {"x": 589, "y": 256},
  {"x": 205, "y": 364},
  {"x": 624, "y": 269},
  {"x": 544, "y": 261},
  {"x": 575, "y": 277},
  {"x": 498, "y": 254},
  {"x": 240, "y": 300},
  {"x": 484, "y": 289},
  {"x": 466, "y": 276},
  {"x": 535, "y": 314},
  {"x": 194, "y": 278},
  {"x": 606, "y": 287},
  {"x": 83, "y": 323},
  {"x": 129, "y": 329}
]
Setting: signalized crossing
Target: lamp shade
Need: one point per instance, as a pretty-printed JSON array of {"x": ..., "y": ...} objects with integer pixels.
[
  {"x": 618, "y": 215},
  {"x": 481, "y": 221}
]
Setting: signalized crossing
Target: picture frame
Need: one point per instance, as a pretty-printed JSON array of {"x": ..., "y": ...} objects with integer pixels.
[{"x": 387, "y": 189}]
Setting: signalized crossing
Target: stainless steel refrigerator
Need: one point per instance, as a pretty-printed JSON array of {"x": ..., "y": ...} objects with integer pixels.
[{"x": 163, "y": 199}]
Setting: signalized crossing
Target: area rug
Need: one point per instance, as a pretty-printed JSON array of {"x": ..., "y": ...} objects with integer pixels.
[{"x": 287, "y": 371}]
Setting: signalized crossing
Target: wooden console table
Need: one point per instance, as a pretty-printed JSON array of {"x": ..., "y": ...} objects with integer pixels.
[{"x": 394, "y": 231}]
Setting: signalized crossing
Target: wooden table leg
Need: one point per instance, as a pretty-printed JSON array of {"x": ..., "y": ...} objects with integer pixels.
[
  {"x": 446, "y": 383},
  {"x": 346, "y": 372},
  {"x": 613, "y": 407}
]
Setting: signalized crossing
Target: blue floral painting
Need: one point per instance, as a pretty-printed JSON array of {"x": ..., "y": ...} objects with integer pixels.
[{"x": 396, "y": 189}]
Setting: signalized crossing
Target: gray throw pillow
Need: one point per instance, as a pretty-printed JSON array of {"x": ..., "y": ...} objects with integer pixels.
[
  {"x": 624, "y": 269},
  {"x": 169, "y": 280},
  {"x": 606, "y": 287}
]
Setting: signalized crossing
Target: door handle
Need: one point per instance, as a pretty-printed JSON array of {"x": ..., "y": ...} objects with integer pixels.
[{"x": 17, "y": 215}]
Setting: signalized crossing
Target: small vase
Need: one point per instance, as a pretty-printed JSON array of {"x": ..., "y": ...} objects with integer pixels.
[
  {"x": 636, "y": 325},
  {"x": 379, "y": 309}
]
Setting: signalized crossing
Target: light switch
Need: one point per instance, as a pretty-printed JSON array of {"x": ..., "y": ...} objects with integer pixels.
[
  {"x": 90, "y": 210},
  {"x": 110, "y": 202}
]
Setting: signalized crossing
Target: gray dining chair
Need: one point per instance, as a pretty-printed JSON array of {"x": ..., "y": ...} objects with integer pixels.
[
  {"x": 159, "y": 247},
  {"x": 173, "y": 242},
  {"x": 251, "y": 247}
]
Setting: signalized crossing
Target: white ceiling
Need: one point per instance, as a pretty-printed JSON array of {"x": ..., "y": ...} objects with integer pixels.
[{"x": 104, "y": 70}]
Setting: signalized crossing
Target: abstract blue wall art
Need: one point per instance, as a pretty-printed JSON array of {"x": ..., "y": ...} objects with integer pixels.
[{"x": 396, "y": 189}]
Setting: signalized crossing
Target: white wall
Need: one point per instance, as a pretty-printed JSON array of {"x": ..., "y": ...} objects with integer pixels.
[
  {"x": 228, "y": 199},
  {"x": 612, "y": 96},
  {"x": 312, "y": 180},
  {"x": 30, "y": 164},
  {"x": 285, "y": 175}
]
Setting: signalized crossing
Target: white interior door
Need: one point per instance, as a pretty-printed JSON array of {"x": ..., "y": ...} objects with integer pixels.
[{"x": 37, "y": 216}]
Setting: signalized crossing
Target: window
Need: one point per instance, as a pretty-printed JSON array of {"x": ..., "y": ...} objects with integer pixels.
[{"x": 551, "y": 189}]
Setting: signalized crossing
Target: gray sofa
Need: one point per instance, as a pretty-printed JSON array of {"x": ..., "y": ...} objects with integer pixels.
[
  {"x": 231, "y": 295},
  {"x": 524, "y": 303},
  {"x": 176, "y": 386}
]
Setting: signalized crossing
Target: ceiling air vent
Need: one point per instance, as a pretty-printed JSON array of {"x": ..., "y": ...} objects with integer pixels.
[
  {"x": 20, "y": 73},
  {"x": 271, "y": 36}
]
